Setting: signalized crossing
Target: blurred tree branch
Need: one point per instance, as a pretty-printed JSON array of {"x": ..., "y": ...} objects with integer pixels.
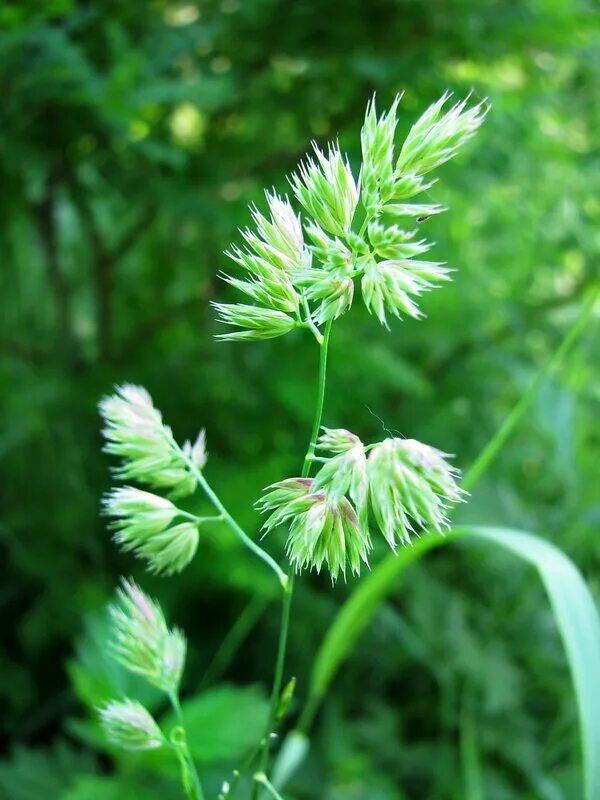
[
  {"x": 44, "y": 215},
  {"x": 105, "y": 259}
]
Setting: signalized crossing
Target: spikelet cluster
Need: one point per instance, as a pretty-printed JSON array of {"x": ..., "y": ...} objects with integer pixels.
[
  {"x": 401, "y": 485},
  {"x": 323, "y": 528},
  {"x": 129, "y": 725},
  {"x": 410, "y": 484},
  {"x": 295, "y": 281},
  {"x": 134, "y": 430},
  {"x": 143, "y": 642},
  {"x": 273, "y": 253},
  {"x": 327, "y": 189},
  {"x": 142, "y": 523}
]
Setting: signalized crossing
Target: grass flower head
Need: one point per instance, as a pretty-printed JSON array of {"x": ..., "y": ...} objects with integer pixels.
[
  {"x": 129, "y": 725},
  {"x": 142, "y": 642},
  {"x": 134, "y": 430}
]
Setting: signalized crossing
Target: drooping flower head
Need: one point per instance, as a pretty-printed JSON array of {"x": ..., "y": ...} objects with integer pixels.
[
  {"x": 142, "y": 642},
  {"x": 402, "y": 484},
  {"x": 142, "y": 525},
  {"x": 410, "y": 483},
  {"x": 324, "y": 529},
  {"x": 345, "y": 473},
  {"x": 134, "y": 430},
  {"x": 129, "y": 725}
]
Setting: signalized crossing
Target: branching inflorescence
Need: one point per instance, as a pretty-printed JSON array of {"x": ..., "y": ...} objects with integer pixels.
[{"x": 354, "y": 233}]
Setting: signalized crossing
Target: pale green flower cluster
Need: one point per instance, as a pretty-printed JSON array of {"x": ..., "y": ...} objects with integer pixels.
[
  {"x": 304, "y": 275},
  {"x": 134, "y": 430},
  {"x": 399, "y": 484},
  {"x": 129, "y": 725},
  {"x": 146, "y": 646},
  {"x": 147, "y": 524},
  {"x": 142, "y": 641},
  {"x": 142, "y": 525}
]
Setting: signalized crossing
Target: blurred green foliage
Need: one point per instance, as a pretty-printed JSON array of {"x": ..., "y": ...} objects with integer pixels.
[{"x": 132, "y": 138}]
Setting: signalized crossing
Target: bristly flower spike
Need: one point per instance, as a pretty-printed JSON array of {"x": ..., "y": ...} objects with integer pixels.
[
  {"x": 257, "y": 322},
  {"x": 410, "y": 482},
  {"x": 377, "y": 143},
  {"x": 129, "y": 725},
  {"x": 142, "y": 525},
  {"x": 324, "y": 528},
  {"x": 274, "y": 252},
  {"x": 142, "y": 642},
  {"x": 327, "y": 189},
  {"x": 134, "y": 430},
  {"x": 436, "y": 137}
]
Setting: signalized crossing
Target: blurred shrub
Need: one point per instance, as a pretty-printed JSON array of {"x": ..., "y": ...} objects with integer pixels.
[{"x": 131, "y": 142}]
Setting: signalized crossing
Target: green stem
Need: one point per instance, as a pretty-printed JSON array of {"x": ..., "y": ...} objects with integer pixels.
[
  {"x": 226, "y": 516},
  {"x": 364, "y": 225},
  {"x": 194, "y": 792},
  {"x": 309, "y": 321},
  {"x": 320, "y": 401},
  {"x": 197, "y": 519},
  {"x": 493, "y": 447},
  {"x": 261, "y": 778},
  {"x": 289, "y": 589}
]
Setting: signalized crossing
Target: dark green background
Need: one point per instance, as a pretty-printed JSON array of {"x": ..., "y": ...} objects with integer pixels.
[{"x": 132, "y": 138}]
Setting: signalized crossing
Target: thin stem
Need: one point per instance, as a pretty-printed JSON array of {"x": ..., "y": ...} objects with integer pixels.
[
  {"x": 197, "y": 519},
  {"x": 320, "y": 401},
  {"x": 309, "y": 321},
  {"x": 289, "y": 589},
  {"x": 226, "y": 516},
  {"x": 277, "y": 678},
  {"x": 493, "y": 447},
  {"x": 195, "y": 790},
  {"x": 261, "y": 778}
]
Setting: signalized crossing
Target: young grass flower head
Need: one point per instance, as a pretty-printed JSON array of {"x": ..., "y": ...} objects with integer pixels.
[
  {"x": 129, "y": 725},
  {"x": 297, "y": 283},
  {"x": 410, "y": 482},
  {"x": 327, "y": 189},
  {"x": 401, "y": 483},
  {"x": 323, "y": 528},
  {"x": 142, "y": 642},
  {"x": 142, "y": 525},
  {"x": 134, "y": 430}
]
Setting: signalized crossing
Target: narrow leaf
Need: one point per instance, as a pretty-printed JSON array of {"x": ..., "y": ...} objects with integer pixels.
[{"x": 574, "y": 611}]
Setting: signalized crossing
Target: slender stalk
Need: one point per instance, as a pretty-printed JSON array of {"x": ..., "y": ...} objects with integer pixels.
[
  {"x": 195, "y": 790},
  {"x": 496, "y": 443},
  {"x": 197, "y": 519},
  {"x": 289, "y": 589},
  {"x": 261, "y": 778},
  {"x": 226, "y": 516},
  {"x": 309, "y": 321},
  {"x": 320, "y": 401}
]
